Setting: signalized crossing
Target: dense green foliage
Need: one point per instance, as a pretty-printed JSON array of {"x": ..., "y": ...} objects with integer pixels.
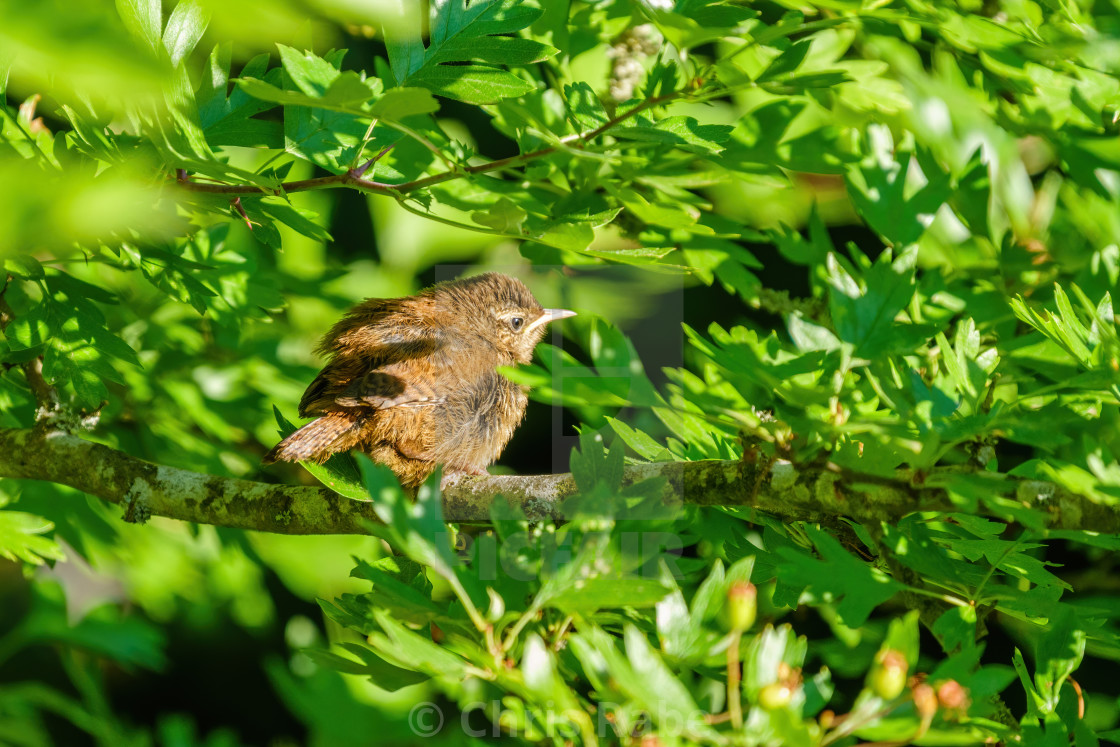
[{"x": 892, "y": 230}]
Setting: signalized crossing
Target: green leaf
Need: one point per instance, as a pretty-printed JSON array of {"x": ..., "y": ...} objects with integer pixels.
[
  {"x": 404, "y": 601},
  {"x": 339, "y": 473},
  {"x": 854, "y": 586},
  {"x": 142, "y": 18},
  {"x": 228, "y": 119},
  {"x": 956, "y": 628},
  {"x": 381, "y": 673},
  {"x": 590, "y": 595},
  {"x": 593, "y": 465},
  {"x": 584, "y": 106},
  {"x": 866, "y": 317},
  {"x": 398, "y": 103},
  {"x": 346, "y": 93},
  {"x": 654, "y": 686},
  {"x": 504, "y": 216},
  {"x": 472, "y": 84},
  {"x": 657, "y": 212},
  {"x": 499, "y": 50},
  {"x": 416, "y": 528},
  {"x": 1058, "y": 654},
  {"x": 878, "y": 189},
  {"x": 21, "y": 538},
  {"x": 677, "y": 131},
  {"x": 640, "y": 442},
  {"x": 184, "y": 29},
  {"x": 461, "y": 31},
  {"x": 400, "y": 646}
]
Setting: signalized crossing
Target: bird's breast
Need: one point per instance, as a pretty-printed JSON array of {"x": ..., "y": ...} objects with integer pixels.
[{"x": 473, "y": 426}]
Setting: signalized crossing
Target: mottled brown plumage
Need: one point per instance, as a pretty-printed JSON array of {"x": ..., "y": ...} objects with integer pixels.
[{"x": 412, "y": 382}]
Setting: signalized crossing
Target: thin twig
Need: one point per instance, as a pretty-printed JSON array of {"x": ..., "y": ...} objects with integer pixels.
[
  {"x": 1080, "y": 697},
  {"x": 734, "y": 674},
  {"x": 45, "y": 395},
  {"x": 235, "y": 203},
  {"x": 353, "y": 180}
]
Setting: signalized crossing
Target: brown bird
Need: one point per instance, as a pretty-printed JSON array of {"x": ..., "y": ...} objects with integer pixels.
[{"x": 412, "y": 382}]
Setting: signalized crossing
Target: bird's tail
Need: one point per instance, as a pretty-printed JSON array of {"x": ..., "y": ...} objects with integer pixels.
[{"x": 318, "y": 440}]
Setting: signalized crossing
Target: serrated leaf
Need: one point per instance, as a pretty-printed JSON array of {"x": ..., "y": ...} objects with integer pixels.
[
  {"x": 21, "y": 538},
  {"x": 865, "y": 316},
  {"x": 854, "y": 586},
  {"x": 593, "y": 465},
  {"x": 471, "y": 84},
  {"x": 640, "y": 442},
  {"x": 679, "y": 130},
  {"x": 498, "y": 50},
  {"x": 878, "y": 189},
  {"x": 461, "y": 31},
  {"x": 584, "y": 106}
]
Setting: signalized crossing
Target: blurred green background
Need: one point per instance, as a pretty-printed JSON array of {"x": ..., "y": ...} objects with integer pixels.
[{"x": 200, "y": 627}]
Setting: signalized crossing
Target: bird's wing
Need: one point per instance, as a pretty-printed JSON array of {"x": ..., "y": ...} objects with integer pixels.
[
  {"x": 389, "y": 386},
  {"x": 374, "y": 351},
  {"x": 386, "y": 328}
]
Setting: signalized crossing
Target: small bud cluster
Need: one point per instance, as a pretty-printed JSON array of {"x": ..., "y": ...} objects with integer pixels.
[
  {"x": 626, "y": 63},
  {"x": 889, "y": 679}
]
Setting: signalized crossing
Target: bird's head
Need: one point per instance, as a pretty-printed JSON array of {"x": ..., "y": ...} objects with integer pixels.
[{"x": 501, "y": 311}]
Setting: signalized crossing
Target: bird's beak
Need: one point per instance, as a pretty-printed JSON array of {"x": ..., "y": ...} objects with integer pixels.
[{"x": 549, "y": 315}]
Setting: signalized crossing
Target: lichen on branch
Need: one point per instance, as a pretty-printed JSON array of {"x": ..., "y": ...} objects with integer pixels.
[{"x": 775, "y": 487}]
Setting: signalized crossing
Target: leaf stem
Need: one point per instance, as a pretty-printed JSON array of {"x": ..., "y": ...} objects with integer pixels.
[
  {"x": 423, "y": 141},
  {"x": 734, "y": 675}
]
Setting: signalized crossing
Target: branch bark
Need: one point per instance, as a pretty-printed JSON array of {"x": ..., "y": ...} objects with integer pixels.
[{"x": 778, "y": 488}]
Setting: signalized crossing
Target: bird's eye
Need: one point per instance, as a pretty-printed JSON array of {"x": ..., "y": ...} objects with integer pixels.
[{"x": 516, "y": 323}]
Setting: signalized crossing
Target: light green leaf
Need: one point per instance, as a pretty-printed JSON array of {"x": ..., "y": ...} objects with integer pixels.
[
  {"x": 184, "y": 29},
  {"x": 21, "y": 538},
  {"x": 498, "y": 50},
  {"x": 590, "y": 595},
  {"x": 472, "y": 84},
  {"x": 339, "y": 473},
  {"x": 398, "y": 103}
]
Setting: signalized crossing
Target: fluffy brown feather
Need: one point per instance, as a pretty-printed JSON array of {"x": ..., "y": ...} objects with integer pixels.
[{"x": 412, "y": 381}]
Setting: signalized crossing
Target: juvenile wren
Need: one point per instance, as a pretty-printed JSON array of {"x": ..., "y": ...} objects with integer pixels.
[{"x": 412, "y": 382}]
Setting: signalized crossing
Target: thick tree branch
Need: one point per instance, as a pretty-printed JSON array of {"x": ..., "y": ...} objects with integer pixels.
[{"x": 778, "y": 488}]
